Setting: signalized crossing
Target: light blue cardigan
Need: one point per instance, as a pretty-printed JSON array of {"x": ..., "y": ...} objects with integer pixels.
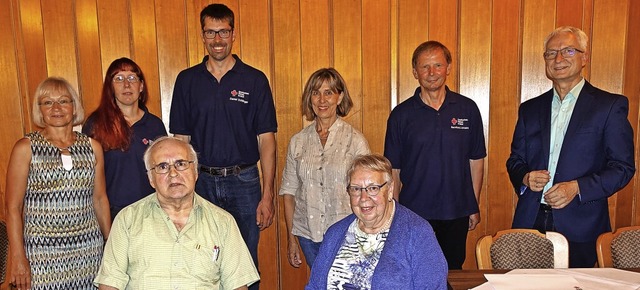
[{"x": 411, "y": 258}]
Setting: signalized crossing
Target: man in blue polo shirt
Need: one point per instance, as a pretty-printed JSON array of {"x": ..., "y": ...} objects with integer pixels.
[
  {"x": 225, "y": 109},
  {"x": 435, "y": 142}
]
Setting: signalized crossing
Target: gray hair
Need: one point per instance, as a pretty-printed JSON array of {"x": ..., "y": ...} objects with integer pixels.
[
  {"x": 147, "y": 153},
  {"x": 45, "y": 89},
  {"x": 373, "y": 162},
  {"x": 582, "y": 37}
]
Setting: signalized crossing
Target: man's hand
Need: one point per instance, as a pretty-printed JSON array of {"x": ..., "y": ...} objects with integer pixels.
[
  {"x": 536, "y": 180},
  {"x": 561, "y": 194},
  {"x": 264, "y": 213},
  {"x": 474, "y": 220}
]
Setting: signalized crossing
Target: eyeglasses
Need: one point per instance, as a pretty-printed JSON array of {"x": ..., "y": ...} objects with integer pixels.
[
  {"x": 566, "y": 52},
  {"x": 62, "y": 102},
  {"x": 130, "y": 78},
  {"x": 164, "y": 167},
  {"x": 211, "y": 34},
  {"x": 371, "y": 190}
]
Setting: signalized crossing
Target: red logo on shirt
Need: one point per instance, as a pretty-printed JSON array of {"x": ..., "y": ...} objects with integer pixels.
[
  {"x": 454, "y": 121},
  {"x": 234, "y": 93},
  {"x": 145, "y": 141}
]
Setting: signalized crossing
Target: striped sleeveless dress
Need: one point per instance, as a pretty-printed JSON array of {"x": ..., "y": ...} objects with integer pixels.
[{"x": 62, "y": 238}]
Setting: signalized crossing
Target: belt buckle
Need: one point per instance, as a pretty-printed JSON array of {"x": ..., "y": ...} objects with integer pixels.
[{"x": 224, "y": 171}]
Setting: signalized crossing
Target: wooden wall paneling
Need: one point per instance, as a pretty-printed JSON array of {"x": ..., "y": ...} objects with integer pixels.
[
  {"x": 60, "y": 42},
  {"x": 10, "y": 86},
  {"x": 505, "y": 99},
  {"x": 608, "y": 40},
  {"x": 568, "y": 12},
  {"x": 256, "y": 51},
  {"x": 316, "y": 37},
  {"x": 171, "y": 44},
  {"x": 89, "y": 63},
  {"x": 538, "y": 22},
  {"x": 443, "y": 27},
  {"x": 413, "y": 29},
  {"x": 286, "y": 85},
  {"x": 376, "y": 71},
  {"x": 347, "y": 52},
  {"x": 393, "y": 50},
  {"x": 144, "y": 50},
  {"x": 31, "y": 55},
  {"x": 474, "y": 72},
  {"x": 632, "y": 91},
  {"x": 114, "y": 25}
]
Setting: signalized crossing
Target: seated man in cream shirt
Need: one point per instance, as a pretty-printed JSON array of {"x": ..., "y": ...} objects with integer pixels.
[{"x": 173, "y": 238}]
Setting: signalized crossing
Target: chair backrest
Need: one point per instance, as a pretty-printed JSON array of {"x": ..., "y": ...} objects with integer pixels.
[
  {"x": 4, "y": 247},
  {"x": 522, "y": 249},
  {"x": 619, "y": 249}
]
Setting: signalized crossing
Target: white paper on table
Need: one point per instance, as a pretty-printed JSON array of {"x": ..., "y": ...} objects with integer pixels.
[
  {"x": 532, "y": 282},
  {"x": 593, "y": 278}
]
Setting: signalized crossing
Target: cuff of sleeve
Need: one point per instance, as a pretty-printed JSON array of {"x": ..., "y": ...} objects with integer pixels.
[{"x": 522, "y": 189}]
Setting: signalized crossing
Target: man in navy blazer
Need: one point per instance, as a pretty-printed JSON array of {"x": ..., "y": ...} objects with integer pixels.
[{"x": 572, "y": 148}]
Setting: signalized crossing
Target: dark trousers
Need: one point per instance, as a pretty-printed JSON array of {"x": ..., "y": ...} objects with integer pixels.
[
  {"x": 452, "y": 237},
  {"x": 581, "y": 254}
]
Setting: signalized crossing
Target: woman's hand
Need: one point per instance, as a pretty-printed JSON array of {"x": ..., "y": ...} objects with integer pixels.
[
  {"x": 293, "y": 253},
  {"x": 20, "y": 273}
]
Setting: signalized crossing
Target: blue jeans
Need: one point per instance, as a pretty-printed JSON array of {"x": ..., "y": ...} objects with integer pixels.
[
  {"x": 239, "y": 195},
  {"x": 309, "y": 248}
]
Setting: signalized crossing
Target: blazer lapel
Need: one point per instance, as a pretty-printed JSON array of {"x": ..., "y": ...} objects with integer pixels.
[
  {"x": 545, "y": 121},
  {"x": 580, "y": 111}
]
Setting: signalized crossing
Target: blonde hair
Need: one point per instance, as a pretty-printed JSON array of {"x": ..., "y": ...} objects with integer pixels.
[{"x": 60, "y": 85}]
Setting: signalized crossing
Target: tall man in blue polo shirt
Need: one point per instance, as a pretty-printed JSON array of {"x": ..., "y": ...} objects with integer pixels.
[
  {"x": 225, "y": 109},
  {"x": 435, "y": 142}
]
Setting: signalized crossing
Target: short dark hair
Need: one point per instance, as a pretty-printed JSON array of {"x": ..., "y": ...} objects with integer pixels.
[
  {"x": 217, "y": 12},
  {"x": 429, "y": 46}
]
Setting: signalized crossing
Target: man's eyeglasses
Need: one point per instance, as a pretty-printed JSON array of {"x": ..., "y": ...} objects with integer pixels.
[
  {"x": 371, "y": 190},
  {"x": 62, "y": 102},
  {"x": 566, "y": 52},
  {"x": 223, "y": 33},
  {"x": 130, "y": 78},
  {"x": 164, "y": 167}
]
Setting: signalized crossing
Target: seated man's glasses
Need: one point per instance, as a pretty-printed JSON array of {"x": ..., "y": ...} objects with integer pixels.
[
  {"x": 164, "y": 167},
  {"x": 566, "y": 52},
  {"x": 130, "y": 78},
  {"x": 371, "y": 190},
  {"x": 211, "y": 34}
]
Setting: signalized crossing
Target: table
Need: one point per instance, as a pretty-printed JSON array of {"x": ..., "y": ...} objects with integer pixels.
[{"x": 466, "y": 279}]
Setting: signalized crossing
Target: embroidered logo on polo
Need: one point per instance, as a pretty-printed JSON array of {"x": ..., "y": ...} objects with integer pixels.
[
  {"x": 239, "y": 96},
  {"x": 459, "y": 123}
]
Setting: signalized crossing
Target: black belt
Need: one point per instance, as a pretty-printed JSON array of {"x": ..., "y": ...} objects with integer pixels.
[
  {"x": 225, "y": 171},
  {"x": 545, "y": 207}
]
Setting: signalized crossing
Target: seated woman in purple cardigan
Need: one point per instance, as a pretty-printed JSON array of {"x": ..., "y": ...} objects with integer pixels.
[{"x": 382, "y": 245}]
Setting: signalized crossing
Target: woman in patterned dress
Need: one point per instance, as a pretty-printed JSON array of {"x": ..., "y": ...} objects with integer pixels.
[
  {"x": 382, "y": 245},
  {"x": 57, "y": 207}
]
